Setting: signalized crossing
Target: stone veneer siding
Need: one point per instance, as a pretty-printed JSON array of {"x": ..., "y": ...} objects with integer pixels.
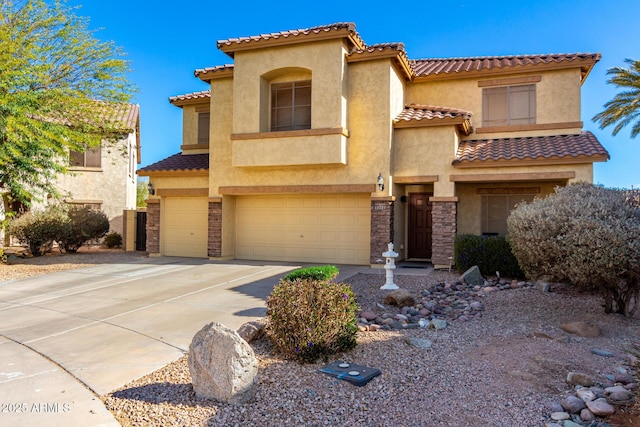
[
  {"x": 381, "y": 228},
  {"x": 214, "y": 248},
  {"x": 153, "y": 227},
  {"x": 443, "y": 215}
]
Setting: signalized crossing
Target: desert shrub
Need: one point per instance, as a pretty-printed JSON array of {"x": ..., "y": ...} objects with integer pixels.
[
  {"x": 82, "y": 225},
  {"x": 490, "y": 253},
  {"x": 38, "y": 229},
  {"x": 113, "y": 240},
  {"x": 318, "y": 272},
  {"x": 582, "y": 235},
  {"x": 309, "y": 319}
]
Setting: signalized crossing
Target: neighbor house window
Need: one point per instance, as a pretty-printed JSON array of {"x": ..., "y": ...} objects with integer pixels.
[
  {"x": 203, "y": 128},
  {"x": 291, "y": 105},
  {"x": 91, "y": 158},
  {"x": 509, "y": 105},
  {"x": 496, "y": 209}
]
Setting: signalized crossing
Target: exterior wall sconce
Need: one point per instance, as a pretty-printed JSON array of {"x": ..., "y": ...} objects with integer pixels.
[
  {"x": 152, "y": 190},
  {"x": 380, "y": 181}
]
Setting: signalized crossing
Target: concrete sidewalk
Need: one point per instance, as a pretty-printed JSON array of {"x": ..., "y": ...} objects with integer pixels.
[{"x": 69, "y": 337}]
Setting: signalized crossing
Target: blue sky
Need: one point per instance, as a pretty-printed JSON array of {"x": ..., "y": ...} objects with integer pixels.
[{"x": 167, "y": 40}]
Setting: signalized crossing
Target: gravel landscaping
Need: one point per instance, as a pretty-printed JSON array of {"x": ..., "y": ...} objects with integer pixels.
[{"x": 503, "y": 363}]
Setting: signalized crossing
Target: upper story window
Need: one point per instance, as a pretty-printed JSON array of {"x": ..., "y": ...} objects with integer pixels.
[
  {"x": 203, "y": 128},
  {"x": 91, "y": 158},
  {"x": 291, "y": 105},
  {"x": 509, "y": 105}
]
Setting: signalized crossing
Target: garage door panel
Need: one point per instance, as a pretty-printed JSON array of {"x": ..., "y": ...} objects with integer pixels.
[
  {"x": 306, "y": 228},
  {"x": 184, "y": 226}
]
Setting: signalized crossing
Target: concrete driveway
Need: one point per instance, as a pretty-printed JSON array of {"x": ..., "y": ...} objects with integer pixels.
[{"x": 68, "y": 337}]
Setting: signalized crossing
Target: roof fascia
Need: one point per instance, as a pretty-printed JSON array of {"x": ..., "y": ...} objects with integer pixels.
[
  {"x": 192, "y": 101},
  {"x": 174, "y": 172},
  {"x": 207, "y": 76}
]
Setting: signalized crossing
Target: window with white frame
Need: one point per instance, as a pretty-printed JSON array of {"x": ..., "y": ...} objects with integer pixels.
[
  {"x": 509, "y": 105},
  {"x": 291, "y": 105}
]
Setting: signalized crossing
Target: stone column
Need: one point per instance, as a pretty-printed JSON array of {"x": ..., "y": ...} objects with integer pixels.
[
  {"x": 444, "y": 217},
  {"x": 214, "y": 247},
  {"x": 381, "y": 227},
  {"x": 153, "y": 226}
]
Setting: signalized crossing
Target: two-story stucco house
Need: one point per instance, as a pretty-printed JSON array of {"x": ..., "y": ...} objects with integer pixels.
[{"x": 315, "y": 147}]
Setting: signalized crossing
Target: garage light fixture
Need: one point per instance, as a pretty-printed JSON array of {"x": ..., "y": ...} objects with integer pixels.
[
  {"x": 380, "y": 181},
  {"x": 152, "y": 190}
]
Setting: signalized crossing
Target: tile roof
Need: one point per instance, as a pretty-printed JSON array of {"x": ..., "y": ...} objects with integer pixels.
[
  {"x": 205, "y": 94},
  {"x": 430, "y": 112},
  {"x": 203, "y": 73},
  {"x": 230, "y": 45},
  {"x": 448, "y": 66},
  {"x": 416, "y": 115},
  {"x": 557, "y": 147},
  {"x": 178, "y": 162},
  {"x": 124, "y": 116}
]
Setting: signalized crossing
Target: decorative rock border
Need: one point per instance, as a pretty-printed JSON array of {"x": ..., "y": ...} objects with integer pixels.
[{"x": 460, "y": 302}]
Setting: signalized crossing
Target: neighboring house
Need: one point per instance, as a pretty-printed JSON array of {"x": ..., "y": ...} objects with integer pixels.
[
  {"x": 104, "y": 178},
  {"x": 314, "y": 147}
]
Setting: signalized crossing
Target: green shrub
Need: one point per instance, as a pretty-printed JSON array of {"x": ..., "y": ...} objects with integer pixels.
[
  {"x": 319, "y": 272},
  {"x": 309, "y": 319},
  {"x": 582, "y": 235},
  {"x": 489, "y": 253},
  {"x": 113, "y": 240},
  {"x": 82, "y": 225},
  {"x": 38, "y": 229}
]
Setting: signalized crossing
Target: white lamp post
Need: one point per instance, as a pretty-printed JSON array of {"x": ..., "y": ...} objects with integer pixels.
[{"x": 390, "y": 265}]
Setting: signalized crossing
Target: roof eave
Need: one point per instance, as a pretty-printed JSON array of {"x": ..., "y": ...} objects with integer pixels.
[
  {"x": 173, "y": 172},
  {"x": 540, "y": 161},
  {"x": 208, "y": 75},
  {"x": 463, "y": 124},
  {"x": 585, "y": 65},
  {"x": 230, "y": 47}
]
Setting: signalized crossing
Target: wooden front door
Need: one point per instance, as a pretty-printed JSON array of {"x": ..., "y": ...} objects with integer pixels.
[{"x": 420, "y": 225}]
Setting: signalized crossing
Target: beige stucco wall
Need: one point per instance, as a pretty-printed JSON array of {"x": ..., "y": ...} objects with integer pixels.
[
  {"x": 426, "y": 151},
  {"x": 323, "y": 61},
  {"x": 367, "y": 122},
  {"x": 190, "y": 122},
  {"x": 557, "y": 98}
]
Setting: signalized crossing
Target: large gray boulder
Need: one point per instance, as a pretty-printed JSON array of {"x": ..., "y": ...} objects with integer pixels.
[
  {"x": 472, "y": 277},
  {"x": 223, "y": 366}
]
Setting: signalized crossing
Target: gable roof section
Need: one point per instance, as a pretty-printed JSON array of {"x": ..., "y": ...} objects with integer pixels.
[
  {"x": 580, "y": 148},
  {"x": 178, "y": 163},
  {"x": 418, "y": 115},
  {"x": 338, "y": 30},
  {"x": 190, "y": 98},
  {"x": 456, "y": 68}
]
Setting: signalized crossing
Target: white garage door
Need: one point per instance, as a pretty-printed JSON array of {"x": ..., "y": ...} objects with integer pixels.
[
  {"x": 328, "y": 228},
  {"x": 184, "y": 226}
]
